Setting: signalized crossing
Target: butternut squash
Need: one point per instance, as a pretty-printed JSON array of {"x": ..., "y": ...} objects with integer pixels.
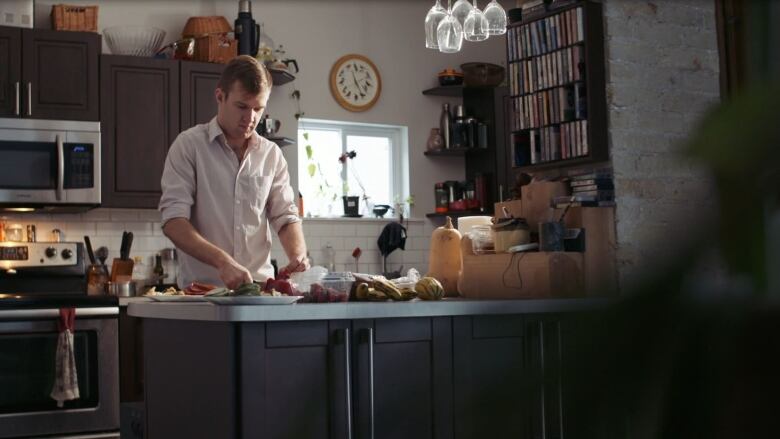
[{"x": 445, "y": 260}]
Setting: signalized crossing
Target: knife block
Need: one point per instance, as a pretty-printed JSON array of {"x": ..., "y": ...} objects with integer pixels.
[{"x": 122, "y": 270}]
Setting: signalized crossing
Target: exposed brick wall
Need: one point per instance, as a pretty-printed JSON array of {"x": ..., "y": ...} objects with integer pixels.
[{"x": 662, "y": 75}]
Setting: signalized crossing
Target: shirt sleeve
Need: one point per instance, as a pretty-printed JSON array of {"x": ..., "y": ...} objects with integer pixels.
[
  {"x": 178, "y": 181},
  {"x": 281, "y": 206}
]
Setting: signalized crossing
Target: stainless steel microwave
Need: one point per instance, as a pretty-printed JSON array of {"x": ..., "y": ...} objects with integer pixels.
[{"x": 49, "y": 165}]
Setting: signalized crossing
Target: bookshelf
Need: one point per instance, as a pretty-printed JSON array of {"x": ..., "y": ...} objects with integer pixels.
[{"x": 557, "y": 99}]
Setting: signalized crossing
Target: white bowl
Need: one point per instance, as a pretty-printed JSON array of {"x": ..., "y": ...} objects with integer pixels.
[{"x": 134, "y": 40}]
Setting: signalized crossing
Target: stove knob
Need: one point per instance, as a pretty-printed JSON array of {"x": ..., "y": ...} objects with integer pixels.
[
  {"x": 67, "y": 253},
  {"x": 51, "y": 252}
]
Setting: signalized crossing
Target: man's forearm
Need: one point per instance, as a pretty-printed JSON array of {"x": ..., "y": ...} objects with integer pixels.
[
  {"x": 291, "y": 237},
  {"x": 182, "y": 233}
]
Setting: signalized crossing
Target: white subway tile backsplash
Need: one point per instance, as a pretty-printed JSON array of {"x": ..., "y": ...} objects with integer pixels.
[
  {"x": 110, "y": 228},
  {"x": 95, "y": 215},
  {"x": 105, "y": 227},
  {"x": 123, "y": 215}
]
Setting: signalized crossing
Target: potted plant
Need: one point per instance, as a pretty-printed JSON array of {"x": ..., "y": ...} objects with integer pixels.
[{"x": 352, "y": 202}]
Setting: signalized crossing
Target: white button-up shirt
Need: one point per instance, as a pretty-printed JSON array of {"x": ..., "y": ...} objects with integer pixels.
[{"x": 233, "y": 205}]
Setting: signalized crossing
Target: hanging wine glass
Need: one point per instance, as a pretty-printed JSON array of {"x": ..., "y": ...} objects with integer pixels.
[
  {"x": 460, "y": 10},
  {"x": 432, "y": 20},
  {"x": 476, "y": 25},
  {"x": 449, "y": 32},
  {"x": 496, "y": 18}
]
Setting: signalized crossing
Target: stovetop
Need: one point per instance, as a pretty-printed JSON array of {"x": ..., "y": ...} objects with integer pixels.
[{"x": 40, "y": 301}]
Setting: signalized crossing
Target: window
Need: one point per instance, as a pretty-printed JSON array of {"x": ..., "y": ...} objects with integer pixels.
[{"x": 378, "y": 172}]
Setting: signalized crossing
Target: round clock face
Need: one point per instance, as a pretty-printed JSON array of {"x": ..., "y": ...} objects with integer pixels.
[{"x": 355, "y": 82}]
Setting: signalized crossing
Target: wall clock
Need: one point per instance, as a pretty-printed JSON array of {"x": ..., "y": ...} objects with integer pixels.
[{"x": 355, "y": 82}]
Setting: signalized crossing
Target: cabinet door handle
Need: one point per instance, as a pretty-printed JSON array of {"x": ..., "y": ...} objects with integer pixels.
[
  {"x": 29, "y": 98},
  {"x": 345, "y": 335},
  {"x": 368, "y": 334},
  {"x": 17, "y": 99}
]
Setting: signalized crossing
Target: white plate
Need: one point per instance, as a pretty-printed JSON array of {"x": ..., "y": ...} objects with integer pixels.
[
  {"x": 253, "y": 300},
  {"x": 177, "y": 298}
]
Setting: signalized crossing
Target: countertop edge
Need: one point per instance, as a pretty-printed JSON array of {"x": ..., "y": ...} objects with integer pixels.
[{"x": 359, "y": 310}]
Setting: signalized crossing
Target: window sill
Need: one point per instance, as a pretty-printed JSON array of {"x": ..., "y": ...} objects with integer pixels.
[{"x": 358, "y": 220}]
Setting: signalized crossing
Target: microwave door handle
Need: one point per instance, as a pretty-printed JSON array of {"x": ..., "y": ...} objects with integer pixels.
[
  {"x": 29, "y": 98},
  {"x": 17, "y": 100},
  {"x": 60, "y": 167}
]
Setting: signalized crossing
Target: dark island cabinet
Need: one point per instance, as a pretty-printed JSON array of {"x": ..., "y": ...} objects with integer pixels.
[
  {"x": 140, "y": 120},
  {"x": 46, "y": 74},
  {"x": 387, "y": 378},
  {"x": 403, "y": 378}
]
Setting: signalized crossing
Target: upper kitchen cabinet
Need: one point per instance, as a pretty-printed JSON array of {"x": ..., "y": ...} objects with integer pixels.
[
  {"x": 140, "y": 119},
  {"x": 198, "y": 82},
  {"x": 46, "y": 74}
]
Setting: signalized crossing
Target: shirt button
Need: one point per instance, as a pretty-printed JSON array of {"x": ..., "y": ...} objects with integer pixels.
[{"x": 238, "y": 201}]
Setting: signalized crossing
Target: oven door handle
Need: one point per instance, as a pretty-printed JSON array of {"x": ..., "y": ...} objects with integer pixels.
[
  {"x": 18, "y": 314},
  {"x": 60, "y": 167}
]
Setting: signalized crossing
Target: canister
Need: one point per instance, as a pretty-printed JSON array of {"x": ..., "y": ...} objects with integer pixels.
[{"x": 509, "y": 233}]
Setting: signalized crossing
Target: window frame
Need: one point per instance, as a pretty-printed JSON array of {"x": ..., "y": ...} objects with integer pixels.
[{"x": 397, "y": 136}]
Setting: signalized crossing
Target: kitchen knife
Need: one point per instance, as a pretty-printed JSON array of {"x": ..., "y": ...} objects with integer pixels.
[
  {"x": 90, "y": 253},
  {"x": 122, "y": 246},
  {"x": 128, "y": 245}
]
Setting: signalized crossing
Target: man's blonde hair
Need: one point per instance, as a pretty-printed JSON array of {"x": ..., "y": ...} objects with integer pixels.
[{"x": 249, "y": 72}]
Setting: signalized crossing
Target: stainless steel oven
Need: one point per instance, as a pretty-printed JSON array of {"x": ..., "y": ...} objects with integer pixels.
[
  {"x": 49, "y": 165},
  {"x": 36, "y": 280}
]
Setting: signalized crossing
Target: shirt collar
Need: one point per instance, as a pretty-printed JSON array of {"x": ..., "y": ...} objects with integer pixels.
[{"x": 214, "y": 131}]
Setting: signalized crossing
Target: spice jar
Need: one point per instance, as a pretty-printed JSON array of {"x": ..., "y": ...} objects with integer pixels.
[
  {"x": 14, "y": 232},
  {"x": 511, "y": 232}
]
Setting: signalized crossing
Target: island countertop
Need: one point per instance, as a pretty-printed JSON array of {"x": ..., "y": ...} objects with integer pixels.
[{"x": 206, "y": 311}]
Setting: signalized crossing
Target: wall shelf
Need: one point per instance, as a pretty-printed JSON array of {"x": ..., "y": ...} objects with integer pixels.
[
  {"x": 449, "y": 90},
  {"x": 459, "y": 152},
  {"x": 281, "y": 141},
  {"x": 281, "y": 77}
]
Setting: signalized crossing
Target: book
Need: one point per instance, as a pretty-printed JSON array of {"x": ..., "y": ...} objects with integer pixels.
[
  {"x": 601, "y": 182},
  {"x": 563, "y": 205},
  {"x": 593, "y": 188}
]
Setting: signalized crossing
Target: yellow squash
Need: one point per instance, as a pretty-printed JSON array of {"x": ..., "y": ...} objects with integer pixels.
[{"x": 445, "y": 261}]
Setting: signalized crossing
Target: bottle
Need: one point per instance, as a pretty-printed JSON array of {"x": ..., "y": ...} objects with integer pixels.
[
  {"x": 330, "y": 258},
  {"x": 445, "y": 125},
  {"x": 158, "y": 272},
  {"x": 459, "y": 129},
  {"x": 442, "y": 197},
  {"x": 246, "y": 29},
  {"x": 139, "y": 274}
]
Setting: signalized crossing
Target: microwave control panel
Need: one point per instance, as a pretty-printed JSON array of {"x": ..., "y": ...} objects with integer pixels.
[{"x": 79, "y": 166}]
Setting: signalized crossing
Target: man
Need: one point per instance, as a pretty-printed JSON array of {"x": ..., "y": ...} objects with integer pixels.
[{"x": 224, "y": 187}]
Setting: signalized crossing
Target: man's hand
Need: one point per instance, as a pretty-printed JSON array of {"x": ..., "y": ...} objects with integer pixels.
[
  {"x": 234, "y": 274},
  {"x": 300, "y": 263}
]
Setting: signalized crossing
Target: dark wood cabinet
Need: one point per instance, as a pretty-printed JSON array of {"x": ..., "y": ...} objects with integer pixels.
[
  {"x": 140, "y": 120},
  {"x": 46, "y": 74},
  {"x": 198, "y": 83},
  {"x": 403, "y": 378},
  {"x": 296, "y": 379},
  {"x": 10, "y": 71},
  {"x": 490, "y": 391}
]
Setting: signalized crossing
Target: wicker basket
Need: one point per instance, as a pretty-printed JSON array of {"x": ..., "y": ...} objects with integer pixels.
[
  {"x": 216, "y": 48},
  {"x": 76, "y": 18},
  {"x": 199, "y": 26}
]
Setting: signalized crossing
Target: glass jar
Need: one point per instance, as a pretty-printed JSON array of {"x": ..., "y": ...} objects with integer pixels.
[
  {"x": 97, "y": 277},
  {"x": 14, "y": 232},
  {"x": 482, "y": 239},
  {"x": 442, "y": 198}
]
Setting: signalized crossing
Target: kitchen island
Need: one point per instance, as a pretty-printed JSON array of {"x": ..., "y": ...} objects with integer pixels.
[{"x": 453, "y": 368}]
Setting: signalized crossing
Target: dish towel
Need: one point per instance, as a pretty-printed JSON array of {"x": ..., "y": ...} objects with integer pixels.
[{"x": 66, "y": 382}]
